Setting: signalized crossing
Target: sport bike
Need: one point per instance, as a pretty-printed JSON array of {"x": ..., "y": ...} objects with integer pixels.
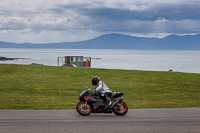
[{"x": 90, "y": 102}]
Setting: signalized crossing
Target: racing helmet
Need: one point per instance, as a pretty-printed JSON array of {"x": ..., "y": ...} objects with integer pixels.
[{"x": 95, "y": 80}]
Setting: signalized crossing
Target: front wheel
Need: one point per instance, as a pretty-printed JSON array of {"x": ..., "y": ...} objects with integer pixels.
[
  {"x": 83, "y": 109},
  {"x": 120, "y": 109}
]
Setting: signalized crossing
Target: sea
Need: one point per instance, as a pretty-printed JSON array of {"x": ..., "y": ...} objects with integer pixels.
[{"x": 147, "y": 60}]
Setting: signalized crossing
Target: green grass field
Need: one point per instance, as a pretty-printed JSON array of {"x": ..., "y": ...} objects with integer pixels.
[{"x": 47, "y": 87}]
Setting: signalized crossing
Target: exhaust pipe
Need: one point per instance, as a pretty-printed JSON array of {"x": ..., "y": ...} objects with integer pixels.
[{"x": 116, "y": 101}]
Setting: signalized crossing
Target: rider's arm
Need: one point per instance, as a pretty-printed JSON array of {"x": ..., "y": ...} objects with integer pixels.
[{"x": 99, "y": 87}]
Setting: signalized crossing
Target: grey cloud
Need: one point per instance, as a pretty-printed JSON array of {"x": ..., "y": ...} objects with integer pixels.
[
  {"x": 137, "y": 26},
  {"x": 18, "y": 13},
  {"x": 178, "y": 18},
  {"x": 13, "y": 25},
  {"x": 142, "y": 18},
  {"x": 169, "y": 12}
]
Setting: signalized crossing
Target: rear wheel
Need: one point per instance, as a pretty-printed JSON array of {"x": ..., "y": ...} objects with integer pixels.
[
  {"x": 83, "y": 108},
  {"x": 120, "y": 109}
]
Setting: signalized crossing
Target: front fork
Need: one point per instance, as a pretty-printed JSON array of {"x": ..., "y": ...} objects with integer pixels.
[{"x": 85, "y": 105}]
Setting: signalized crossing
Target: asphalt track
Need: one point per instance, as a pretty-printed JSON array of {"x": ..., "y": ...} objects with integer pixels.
[{"x": 183, "y": 120}]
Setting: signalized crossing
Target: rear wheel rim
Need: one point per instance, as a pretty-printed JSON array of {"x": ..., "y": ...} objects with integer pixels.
[{"x": 122, "y": 108}]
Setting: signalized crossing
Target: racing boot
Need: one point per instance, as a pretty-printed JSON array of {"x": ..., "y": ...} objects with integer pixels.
[{"x": 108, "y": 104}]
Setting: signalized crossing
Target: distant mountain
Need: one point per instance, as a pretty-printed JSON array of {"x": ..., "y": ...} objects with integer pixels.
[{"x": 118, "y": 41}]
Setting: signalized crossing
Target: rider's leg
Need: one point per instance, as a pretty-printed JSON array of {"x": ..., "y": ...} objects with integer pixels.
[{"x": 106, "y": 99}]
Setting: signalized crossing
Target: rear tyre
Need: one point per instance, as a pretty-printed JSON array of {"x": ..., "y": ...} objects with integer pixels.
[
  {"x": 122, "y": 110},
  {"x": 83, "y": 109}
]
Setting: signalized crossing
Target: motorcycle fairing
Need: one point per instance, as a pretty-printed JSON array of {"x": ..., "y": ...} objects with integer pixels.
[
  {"x": 99, "y": 106},
  {"x": 89, "y": 99}
]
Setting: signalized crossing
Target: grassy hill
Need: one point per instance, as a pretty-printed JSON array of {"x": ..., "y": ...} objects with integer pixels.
[
  {"x": 120, "y": 41},
  {"x": 46, "y": 87}
]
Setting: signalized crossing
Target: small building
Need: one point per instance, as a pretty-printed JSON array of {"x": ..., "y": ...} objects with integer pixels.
[{"x": 74, "y": 61}]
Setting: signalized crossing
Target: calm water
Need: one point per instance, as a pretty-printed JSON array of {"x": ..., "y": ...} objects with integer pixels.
[{"x": 158, "y": 60}]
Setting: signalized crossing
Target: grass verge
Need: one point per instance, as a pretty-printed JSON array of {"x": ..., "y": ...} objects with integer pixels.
[{"x": 47, "y": 87}]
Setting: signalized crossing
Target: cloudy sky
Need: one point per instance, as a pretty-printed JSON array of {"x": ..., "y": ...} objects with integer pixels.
[{"x": 43, "y": 21}]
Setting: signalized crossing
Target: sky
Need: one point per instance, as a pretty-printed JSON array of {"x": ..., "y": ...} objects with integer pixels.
[{"x": 48, "y": 21}]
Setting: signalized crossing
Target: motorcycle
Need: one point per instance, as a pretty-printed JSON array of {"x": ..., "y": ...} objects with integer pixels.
[{"x": 91, "y": 103}]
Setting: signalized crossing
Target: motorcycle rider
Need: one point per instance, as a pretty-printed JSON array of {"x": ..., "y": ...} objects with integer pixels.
[{"x": 102, "y": 90}]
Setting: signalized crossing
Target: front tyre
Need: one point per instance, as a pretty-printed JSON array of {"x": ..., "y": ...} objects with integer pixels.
[
  {"x": 121, "y": 108},
  {"x": 83, "y": 109}
]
